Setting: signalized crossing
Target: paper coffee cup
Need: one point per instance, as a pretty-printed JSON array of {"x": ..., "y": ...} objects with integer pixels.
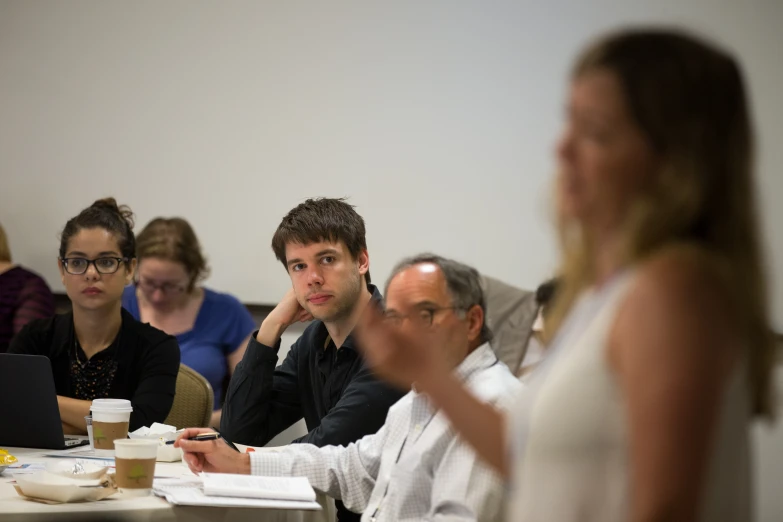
[
  {"x": 110, "y": 418},
  {"x": 134, "y": 461}
]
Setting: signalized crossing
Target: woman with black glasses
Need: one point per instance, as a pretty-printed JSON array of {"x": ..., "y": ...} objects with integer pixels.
[
  {"x": 212, "y": 328},
  {"x": 98, "y": 350}
]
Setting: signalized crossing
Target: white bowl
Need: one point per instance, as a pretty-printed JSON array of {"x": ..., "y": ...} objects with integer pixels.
[{"x": 77, "y": 469}]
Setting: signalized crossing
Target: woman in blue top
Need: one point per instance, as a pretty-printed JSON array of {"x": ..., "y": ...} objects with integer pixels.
[{"x": 212, "y": 328}]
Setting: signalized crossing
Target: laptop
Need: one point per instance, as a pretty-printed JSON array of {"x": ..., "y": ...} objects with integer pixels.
[{"x": 29, "y": 414}]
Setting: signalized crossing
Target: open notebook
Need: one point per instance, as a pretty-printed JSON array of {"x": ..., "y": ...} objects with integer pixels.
[{"x": 227, "y": 490}]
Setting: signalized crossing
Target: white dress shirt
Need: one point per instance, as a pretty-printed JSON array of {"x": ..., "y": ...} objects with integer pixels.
[{"x": 415, "y": 467}]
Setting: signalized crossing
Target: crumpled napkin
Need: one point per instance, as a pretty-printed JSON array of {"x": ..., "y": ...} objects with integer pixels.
[
  {"x": 65, "y": 491},
  {"x": 162, "y": 432}
]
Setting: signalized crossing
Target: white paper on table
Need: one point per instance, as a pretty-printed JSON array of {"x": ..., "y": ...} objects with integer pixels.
[
  {"x": 189, "y": 492},
  {"x": 24, "y": 469},
  {"x": 249, "y": 486}
]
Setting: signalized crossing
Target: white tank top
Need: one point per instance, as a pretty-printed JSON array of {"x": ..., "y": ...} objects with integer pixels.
[{"x": 569, "y": 439}]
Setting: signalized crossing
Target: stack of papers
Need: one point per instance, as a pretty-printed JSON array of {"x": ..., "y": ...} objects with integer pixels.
[{"x": 227, "y": 490}]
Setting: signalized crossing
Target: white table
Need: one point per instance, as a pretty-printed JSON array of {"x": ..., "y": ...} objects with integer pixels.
[{"x": 152, "y": 508}]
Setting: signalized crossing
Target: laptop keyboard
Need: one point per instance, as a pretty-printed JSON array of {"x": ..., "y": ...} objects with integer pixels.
[{"x": 70, "y": 441}]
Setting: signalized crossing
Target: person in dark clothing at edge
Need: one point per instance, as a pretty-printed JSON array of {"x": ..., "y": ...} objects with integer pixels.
[{"x": 324, "y": 378}]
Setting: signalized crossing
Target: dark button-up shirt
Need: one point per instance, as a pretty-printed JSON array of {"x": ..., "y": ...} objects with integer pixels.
[{"x": 332, "y": 389}]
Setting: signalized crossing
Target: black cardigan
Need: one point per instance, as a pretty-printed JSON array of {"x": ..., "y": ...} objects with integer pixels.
[{"x": 147, "y": 363}]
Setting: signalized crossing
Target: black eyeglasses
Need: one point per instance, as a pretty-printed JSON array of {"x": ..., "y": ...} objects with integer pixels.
[
  {"x": 103, "y": 265},
  {"x": 421, "y": 317},
  {"x": 167, "y": 288}
]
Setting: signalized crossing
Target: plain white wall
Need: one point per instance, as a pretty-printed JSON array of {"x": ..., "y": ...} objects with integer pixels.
[{"x": 437, "y": 119}]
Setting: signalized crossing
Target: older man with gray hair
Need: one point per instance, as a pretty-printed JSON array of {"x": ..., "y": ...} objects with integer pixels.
[{"x": 415, "y": 467}]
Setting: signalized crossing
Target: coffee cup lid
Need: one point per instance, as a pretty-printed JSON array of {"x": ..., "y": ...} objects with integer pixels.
[{"x": 107, "y": 405}]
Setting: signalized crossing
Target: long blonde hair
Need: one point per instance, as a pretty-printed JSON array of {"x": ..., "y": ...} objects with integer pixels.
[
  {"x": 689, "y": 99},
  {"x": 5, "y": 251}
]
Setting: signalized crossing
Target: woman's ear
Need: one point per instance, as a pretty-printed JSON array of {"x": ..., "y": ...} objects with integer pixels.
[
  {"x": 61, "y": 268},
  {"x": 130, "y": 271}
]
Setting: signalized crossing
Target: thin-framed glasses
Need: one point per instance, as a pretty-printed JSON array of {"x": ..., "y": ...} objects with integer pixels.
[
  {"x": 422, "y": 316},
  {"x": 149, "y": 287},
  {"x": 103, "y": 265}
]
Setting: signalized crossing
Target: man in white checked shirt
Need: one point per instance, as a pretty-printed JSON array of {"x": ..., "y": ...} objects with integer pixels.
[{"x": 415, "y": 467}]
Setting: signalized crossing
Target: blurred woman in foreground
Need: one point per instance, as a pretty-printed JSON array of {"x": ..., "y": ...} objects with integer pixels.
[{"x": 662, "y": 351}]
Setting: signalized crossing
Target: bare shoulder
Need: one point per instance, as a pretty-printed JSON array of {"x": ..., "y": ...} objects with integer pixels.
[
  {"x": 684, "y": 264},
  {"x": 684, "y": 278},
  {"x": 680, "y": 301}
]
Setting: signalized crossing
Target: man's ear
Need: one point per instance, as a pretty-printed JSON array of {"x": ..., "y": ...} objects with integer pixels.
[
  {"x": 475, "y": 319},
  {"x": 363, "y": 261}
]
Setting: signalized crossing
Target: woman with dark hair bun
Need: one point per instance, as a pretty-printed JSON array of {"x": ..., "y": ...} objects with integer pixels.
[{"x": 98, "y": 350}]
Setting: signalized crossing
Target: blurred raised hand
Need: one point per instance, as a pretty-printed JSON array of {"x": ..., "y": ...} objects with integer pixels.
[{"x": 398, "y": 356}]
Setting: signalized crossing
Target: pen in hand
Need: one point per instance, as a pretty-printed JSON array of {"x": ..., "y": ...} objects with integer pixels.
[
  {"x": 210, "y": 436},
  {"x": 199, "y": 437},
  {"x": 230, "y": 444}
]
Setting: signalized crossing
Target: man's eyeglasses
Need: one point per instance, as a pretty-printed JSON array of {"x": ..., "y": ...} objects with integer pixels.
[
  {"x": 167, "y": 288},
  {"x": 103, "y": 265},
  {"x": 420, "y": 317}
]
